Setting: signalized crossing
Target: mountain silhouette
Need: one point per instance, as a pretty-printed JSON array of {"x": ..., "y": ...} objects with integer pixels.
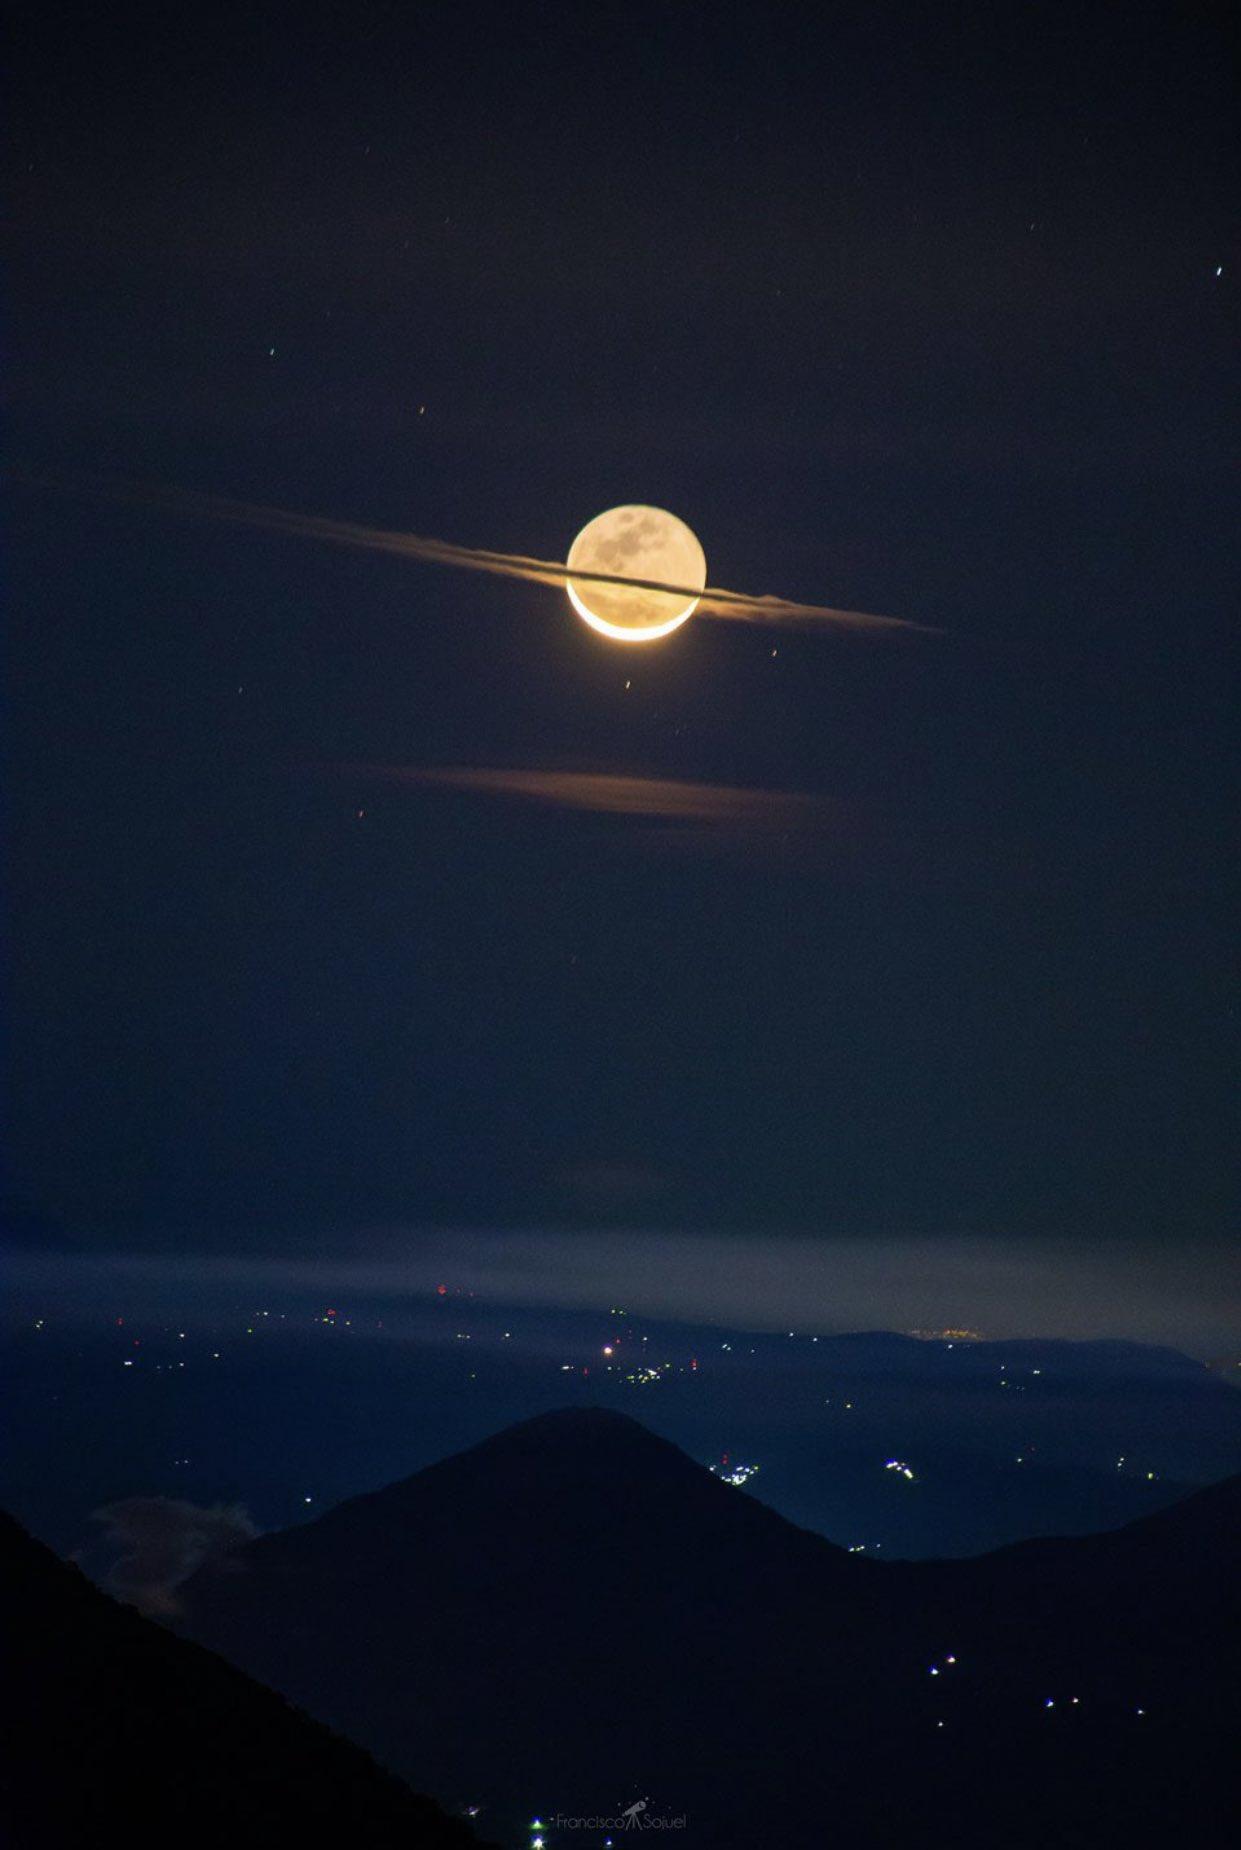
[
  {"x": 574, "y": 1614},
  {"x": 119, "y": 1729}
]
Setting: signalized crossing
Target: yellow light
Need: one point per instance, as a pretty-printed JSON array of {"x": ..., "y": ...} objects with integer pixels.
[
  {"x": 650, "y": 632},
  {"x": 647, "y": 545}
]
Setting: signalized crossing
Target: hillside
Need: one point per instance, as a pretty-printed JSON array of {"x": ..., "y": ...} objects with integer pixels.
[
  {"x": 574, "y": 1614},
  {"x": 116, "y": 1726}
]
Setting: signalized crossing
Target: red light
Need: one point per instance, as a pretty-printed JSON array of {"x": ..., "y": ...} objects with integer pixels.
[{"x": 441, "y": 1291}]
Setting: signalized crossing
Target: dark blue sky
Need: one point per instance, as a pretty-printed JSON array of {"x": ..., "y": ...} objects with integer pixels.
[{"x": 910, "y": 313}]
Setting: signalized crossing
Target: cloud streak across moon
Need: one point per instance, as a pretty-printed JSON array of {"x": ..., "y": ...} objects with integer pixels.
[{"x": 713, "y": 601}]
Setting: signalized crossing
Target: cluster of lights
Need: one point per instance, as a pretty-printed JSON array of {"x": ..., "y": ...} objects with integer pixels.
[
  {"x": 643, "y": 1377},
  {"x": 901, "y": 1468},
  {"x": 1151, "y": 1476},
  {"x": 734, "y": 1474}
]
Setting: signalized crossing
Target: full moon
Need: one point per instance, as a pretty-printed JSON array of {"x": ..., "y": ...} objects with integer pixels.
[{"x": 643, "y": 543}]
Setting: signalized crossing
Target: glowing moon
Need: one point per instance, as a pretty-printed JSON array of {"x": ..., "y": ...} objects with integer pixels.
[{"x": 636, "y": 542}]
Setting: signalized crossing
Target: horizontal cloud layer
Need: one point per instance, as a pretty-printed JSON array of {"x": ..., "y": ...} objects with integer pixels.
[
  {"x": 714, "y": 601},
  {"x": 1005, "y": 1285},
  {"x": 608, "y": 794}
]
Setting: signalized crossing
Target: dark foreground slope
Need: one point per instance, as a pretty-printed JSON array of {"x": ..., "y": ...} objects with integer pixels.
[
  {"x": 574, "y": 1615},
  {"x": 117, "y": 1731}
]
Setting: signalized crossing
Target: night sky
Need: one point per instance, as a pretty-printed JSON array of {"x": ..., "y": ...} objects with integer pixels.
[{"x": 917, "y": 312}]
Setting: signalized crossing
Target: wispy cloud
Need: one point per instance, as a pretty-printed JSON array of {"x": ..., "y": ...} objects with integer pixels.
[
  {"x": 158, "y": 1542},
  {"x": 714, "y": 601},
  {"x": 660, "y": 799}
]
